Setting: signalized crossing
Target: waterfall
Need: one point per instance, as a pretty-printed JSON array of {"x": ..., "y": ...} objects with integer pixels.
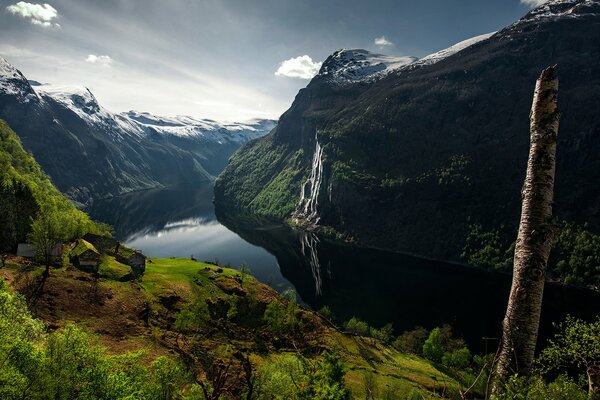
[
  {"x": 309, "y": 192},
  {"x": 309, "y": 250}
]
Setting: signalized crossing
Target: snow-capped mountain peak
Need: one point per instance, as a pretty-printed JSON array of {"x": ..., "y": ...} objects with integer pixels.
[
  {"x": 12, "y": 82},
  {"x": 563, "y": 8},
  {"x": 357, "y": 65},
  {"x": 76, "y": 98}
]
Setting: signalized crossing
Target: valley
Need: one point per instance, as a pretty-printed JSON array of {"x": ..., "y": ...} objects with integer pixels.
[{"x": 409, "y": 228}]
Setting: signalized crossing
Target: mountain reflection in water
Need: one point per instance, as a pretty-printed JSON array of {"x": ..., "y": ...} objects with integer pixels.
[{"x": 376, "y": 286}]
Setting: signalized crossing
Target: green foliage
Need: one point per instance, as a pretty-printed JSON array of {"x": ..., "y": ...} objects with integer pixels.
[
  {"x": 325, "y": 379},
  {"x": 282, "y": 318},
  {"x": 232, "y": 312},
  {"x": 357, "y": 326},
  {"x": 44, "y": 208},
  {"x": 577, "y": 344},
  {"x": 194, "y": 317},
  {"x": 434, "y": 347},
  {"x": 415, "y": 394},
  {"x": 574, "y": 260},
  {"x": 576, "y": 257},
  {"x": 384, "y": 334},
  {"x": 70, "y": 364},
  {"x": 326, "y": 312},
  {"x": 460, "y": 358},
  {"x": 244, "y": 271},
  {"x": 484, "y": 249},
  {"x": 295, "y": 377},
  {"x": 535, "y": 388}
]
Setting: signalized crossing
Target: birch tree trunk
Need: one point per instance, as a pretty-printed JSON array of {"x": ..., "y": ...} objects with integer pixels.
[{"x": 534, "y": 240}]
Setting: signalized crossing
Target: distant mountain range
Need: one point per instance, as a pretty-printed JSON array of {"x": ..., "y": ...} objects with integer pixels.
[
  {"x": 416, "y": 155},
  {"x": 90, "y": 152}
]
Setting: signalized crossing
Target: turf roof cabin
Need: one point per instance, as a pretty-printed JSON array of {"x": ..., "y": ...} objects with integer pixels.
[
  {"x": 123, "y": 254},
  {"x": 85, "y": 256}
]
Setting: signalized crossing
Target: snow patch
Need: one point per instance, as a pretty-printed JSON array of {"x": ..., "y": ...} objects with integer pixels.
[{"x": 442, "y": 54}]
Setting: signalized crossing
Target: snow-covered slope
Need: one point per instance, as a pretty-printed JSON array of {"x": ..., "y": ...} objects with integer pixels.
[
  {"x": 357, "y": 65},
  {"x": 440, "y": 55},
  {"x": 13, "y": 83},
  {"x": 563, "y": 9},
  {"x": 82, "y": 102},
  {"x": 194, "y": 128},
  {"x": 347, "y": 66}
]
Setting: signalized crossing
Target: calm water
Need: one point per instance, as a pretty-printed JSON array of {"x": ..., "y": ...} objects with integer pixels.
[{"x": 377, "y": 286}]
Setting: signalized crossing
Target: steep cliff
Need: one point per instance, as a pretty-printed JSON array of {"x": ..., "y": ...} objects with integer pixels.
[{"x": 412, "y": 159}]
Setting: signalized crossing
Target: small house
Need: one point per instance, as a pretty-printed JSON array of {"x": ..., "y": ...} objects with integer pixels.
[{"x": 85, "y": 256}]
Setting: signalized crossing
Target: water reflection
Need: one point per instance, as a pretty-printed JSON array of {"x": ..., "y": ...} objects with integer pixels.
[
  {"x": 182, "y": 223},
  {"x": 377, "y": 286},
  {"x": 381, "y": 287}
]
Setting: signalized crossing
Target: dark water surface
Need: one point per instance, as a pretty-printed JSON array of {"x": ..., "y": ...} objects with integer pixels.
[{"x": 376, "y": 286}]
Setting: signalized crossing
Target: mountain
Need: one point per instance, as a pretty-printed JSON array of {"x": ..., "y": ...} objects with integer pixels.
[
  {"x": 90, "y": 152},
  {"x": 428, "y": 155}
]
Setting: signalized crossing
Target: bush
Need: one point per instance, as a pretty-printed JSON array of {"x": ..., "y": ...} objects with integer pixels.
[
  {"x": 460, "y": 358},
  {"x": 412, "y": 341},
  {"x": 357, "y": 327},
  {"x": 534, "y": 388},
  {"x": 283, "y": 318},
  {"x": 385, "y": 334},
  {"x": 434, "y": 347}
]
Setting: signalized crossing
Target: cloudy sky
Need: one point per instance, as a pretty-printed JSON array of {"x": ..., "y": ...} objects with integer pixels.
[{"x": 223, "y": 59}]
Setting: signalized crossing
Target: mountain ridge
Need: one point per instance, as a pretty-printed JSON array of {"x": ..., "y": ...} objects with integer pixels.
[{"x": 90, "y": 152}]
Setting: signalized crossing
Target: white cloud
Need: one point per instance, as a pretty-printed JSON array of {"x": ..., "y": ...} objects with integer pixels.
[
  {"x": 382, "y": 41},
  {"x": 105, "y": 61},
  {"x": 533, "y": 3},
  {"x": 302, "y": 67},
  {"x": 38, "y": 14}
]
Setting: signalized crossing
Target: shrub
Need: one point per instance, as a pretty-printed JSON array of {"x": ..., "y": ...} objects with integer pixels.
[
  {"x": 434, "y": 347},
  {"x": 460, "y": 358},
  {"x": 412, "y": 341},
  {"x": 357, "y": 327},
  {"x": 385, "y": 334}
]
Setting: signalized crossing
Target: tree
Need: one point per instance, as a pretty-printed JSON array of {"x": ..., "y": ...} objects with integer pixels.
[
  {"x": 244, "y": 271},
  {"x": 434, "y": 347},
  {"x": 534, "y": 239},
  {"x": 576, "y": 345},
  {"x": 47, "y": 230}
]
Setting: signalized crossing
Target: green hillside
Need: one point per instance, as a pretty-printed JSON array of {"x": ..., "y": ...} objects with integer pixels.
[{"x": 27, "y": 193}]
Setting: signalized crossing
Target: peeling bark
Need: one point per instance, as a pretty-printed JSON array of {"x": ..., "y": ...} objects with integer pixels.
[{"x": 534, "y": 240}]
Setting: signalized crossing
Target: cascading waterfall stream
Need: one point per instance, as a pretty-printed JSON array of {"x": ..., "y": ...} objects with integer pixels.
[{"x": 309, "y": 192}]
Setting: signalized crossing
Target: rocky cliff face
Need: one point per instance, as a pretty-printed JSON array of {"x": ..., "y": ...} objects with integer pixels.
[
  {"x": 411, "y": 159},
  {"x": 92, "y": 153}
]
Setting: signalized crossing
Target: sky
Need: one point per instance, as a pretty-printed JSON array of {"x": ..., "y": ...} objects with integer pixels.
[{"x": 229, "y": 60}]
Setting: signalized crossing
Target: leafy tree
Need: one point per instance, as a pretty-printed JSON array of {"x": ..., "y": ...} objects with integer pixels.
[
  {"x": 577, "y": 345},
  {"x": 283, "y": 318},
  {"x": 48, "y": 230},
  {"x": 244, "y": 271},
  {"x": 460, "y": 358},
  {"x": 325, "y": 379},
  {"x": 385, "y": 334},
  {"x": 434, "y": 347},
  {"x": 357, "y": 326}
]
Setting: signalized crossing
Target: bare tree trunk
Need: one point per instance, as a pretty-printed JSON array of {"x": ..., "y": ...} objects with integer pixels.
[{"x": 534, "y": 240}]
